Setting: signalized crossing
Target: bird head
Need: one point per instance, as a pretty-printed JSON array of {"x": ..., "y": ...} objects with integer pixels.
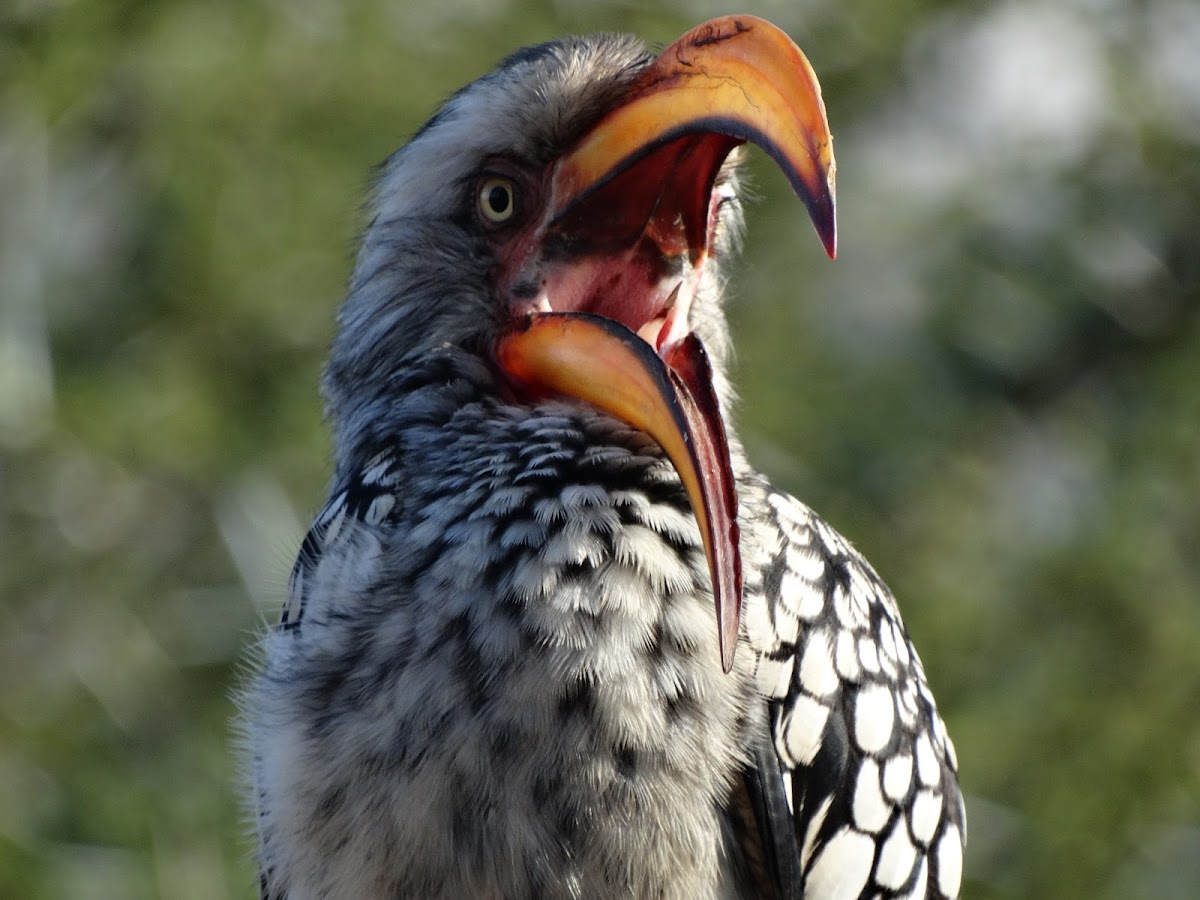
[{"x": 563, "y": 219}]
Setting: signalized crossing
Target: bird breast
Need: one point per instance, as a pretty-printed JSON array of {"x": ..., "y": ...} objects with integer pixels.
[{"x": 507, "y": 653}]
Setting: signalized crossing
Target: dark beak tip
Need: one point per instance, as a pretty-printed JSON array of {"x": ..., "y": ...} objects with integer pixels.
[{"x": 825, "y": 220}]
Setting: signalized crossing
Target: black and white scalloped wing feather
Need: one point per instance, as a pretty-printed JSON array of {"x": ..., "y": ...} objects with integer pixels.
[{"x": 864, "y": 762}]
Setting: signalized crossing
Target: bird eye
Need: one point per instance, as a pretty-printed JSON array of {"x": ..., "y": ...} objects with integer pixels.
[{"x": 497, "y": 200}]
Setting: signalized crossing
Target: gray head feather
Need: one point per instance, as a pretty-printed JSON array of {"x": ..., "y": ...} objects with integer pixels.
[{"x": 421, "y": 279}]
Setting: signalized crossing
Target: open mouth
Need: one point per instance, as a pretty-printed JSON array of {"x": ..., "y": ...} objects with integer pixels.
[{"x": 634, "y": 247}]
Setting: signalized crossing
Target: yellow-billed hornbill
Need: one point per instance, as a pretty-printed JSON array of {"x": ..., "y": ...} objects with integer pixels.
[{"x": 516, "y": 661}]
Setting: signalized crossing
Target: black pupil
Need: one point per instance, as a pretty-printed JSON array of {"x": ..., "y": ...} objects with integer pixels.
[{"x": 497, "y": 199}]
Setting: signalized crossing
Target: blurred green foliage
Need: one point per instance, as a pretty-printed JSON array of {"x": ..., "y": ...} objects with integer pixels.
[{"x": 995, "y": 391}]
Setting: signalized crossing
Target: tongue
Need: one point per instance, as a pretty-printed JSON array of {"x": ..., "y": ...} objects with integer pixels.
[
  {"x": 651, "y": 330},
  {"x": 603, "y": 363}
]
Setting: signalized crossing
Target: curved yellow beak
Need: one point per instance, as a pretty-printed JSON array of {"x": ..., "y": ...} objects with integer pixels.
[
  {"x": 737, "y": 76},
  {"x": 728, "y": 81}
]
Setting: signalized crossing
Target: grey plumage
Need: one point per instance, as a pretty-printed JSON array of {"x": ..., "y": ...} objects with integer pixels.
[{"x": 497, "y": 673}]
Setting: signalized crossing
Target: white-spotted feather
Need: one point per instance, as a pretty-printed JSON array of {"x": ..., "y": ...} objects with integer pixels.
[{"x": 873, "y": 776}]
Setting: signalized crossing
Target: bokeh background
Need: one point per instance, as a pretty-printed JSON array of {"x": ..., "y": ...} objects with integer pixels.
[{"x": 994, "y": 391}]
